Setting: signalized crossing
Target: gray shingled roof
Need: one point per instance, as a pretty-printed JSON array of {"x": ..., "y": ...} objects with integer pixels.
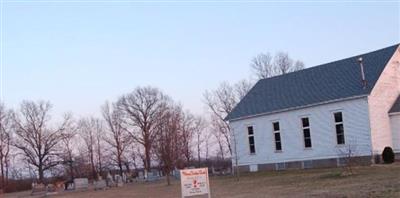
[
  {"x": 396, "y": 106},
  {"x": 332, "y": 81}
]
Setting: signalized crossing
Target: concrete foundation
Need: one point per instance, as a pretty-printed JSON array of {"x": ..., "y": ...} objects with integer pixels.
[{"x": 308, "y": 164}]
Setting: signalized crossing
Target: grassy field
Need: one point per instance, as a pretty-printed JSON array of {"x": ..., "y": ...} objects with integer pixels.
[{"x": 373, "y": 181}]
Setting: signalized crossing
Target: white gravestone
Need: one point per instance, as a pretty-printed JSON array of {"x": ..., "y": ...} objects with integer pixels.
[
  {"x": 118, "y": 180},
  {"x": 81, "y": 183},
  {"x": 176, "y": 173},
  {"x": 124, "y": 178},
  {"x": 195, "y": 182},
  {"x": 141, "y": 174},
  {"x": 51, "y": 189},
  {"x": 100, "y": 185},
  {"x": 110, "y": 180},
  {"x": 38, "y": 189}
]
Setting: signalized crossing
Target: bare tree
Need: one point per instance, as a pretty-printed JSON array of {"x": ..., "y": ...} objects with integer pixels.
[
  {"x": 81, "y": 165},
  {"x": 264, "y": 66},
  {"x": 189, "y": 126},
  {"x": 89, "y": 129},
  {"x": 348, "y": 157},
  {"x": 5, "y": 143},
  {"x": 35, "y": 138},
  {"x": 99, "y": 146},
  {"x": 298, "y": 65},
  {"x": 207, "y": 141},
  {"x": 118, "y": 137},
  {"x": 135, "y": 155},
  {"x": 241, "y": 88},
  {"x": 221, "y": 102},
  {"x": 168, "y": 140},
  {"x": 220, "y": 134},
  {"x": 142, "y": 110},
  {"x": 283, "y": 63},
  {"x": 67, "y": 146},
  {"x": 132, "y": 156},
  {"x": 199, "y": 135}
]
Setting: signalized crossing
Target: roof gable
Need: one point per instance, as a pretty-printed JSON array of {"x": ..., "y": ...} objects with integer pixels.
[{"x": 332, "y": 81}]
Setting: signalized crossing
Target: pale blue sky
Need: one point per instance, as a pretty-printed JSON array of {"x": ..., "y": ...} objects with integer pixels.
[{"x": 78, "y": 55}]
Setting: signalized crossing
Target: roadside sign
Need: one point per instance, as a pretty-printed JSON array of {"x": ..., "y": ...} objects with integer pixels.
[{"x": 195, "y": 182}]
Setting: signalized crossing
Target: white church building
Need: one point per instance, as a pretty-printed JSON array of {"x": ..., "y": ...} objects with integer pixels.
[{"x": 313, "y": 117}]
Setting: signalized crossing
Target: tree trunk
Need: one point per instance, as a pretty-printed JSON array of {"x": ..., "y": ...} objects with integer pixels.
[
  {"x": 168, "y": 179},
  {"x": 41, "y": 175},
  {"x": 93, "y": 167},
  {"x": 99, "y": 155},
  {"x": 71, "y": 168},
  {"x": 198, "y": 155},
  {"x": 207, "y": 151},
  {"x": 221, "y": 148},
  {"x": 187, "y": 160},
  {"x": 2, "y": 172},
  {"x": 100, "y": 167},
  {"x": 120, "y": 168},
  {"x": 147, "y": 158},
  {"x": 7, "y": 168},
  {"x": 127, "y": 167}
]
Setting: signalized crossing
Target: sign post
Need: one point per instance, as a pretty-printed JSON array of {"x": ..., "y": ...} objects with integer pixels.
[{"x": 195, "y": 182}]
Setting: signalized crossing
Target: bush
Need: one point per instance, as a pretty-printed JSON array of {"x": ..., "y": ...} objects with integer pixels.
[
  {"x": 388, "y": 155},
  {"x": 17, "y": 185}
]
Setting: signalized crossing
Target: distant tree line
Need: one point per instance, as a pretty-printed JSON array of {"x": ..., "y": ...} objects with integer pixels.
[{"x": 143, "y": 128}]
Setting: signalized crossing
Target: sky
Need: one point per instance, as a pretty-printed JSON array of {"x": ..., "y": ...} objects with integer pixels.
[{"x": 79, "y": 54}]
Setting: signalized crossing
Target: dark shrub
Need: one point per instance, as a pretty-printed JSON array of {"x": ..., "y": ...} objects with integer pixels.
[
  {"x": 18, "y": 185},
  {"x": 388, "y": 155}
]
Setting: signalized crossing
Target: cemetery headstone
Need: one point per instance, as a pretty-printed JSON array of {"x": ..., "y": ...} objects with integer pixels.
[
  {"x": 124, "y": 178},
  {"x": 141, "y": 175},
  {"x": 38, "y": 189},
  {"x": 118, "y": 180},
  {"x": 81, "y": 183},
  {"x": 153, "y": 176},
  {"x": 51, "y": 190},
  {"x": 110, "y": 181},
  {"x": 146, "y": 174},
  {"x": 154, "y": 172},
  {"x": 100, "y": 185},
  {"x": 69, "y": 185},
  {"x": 176, "y": 173}
]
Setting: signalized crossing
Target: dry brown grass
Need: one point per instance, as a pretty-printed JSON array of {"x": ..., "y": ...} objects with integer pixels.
[{"x": 373, "y": 181}]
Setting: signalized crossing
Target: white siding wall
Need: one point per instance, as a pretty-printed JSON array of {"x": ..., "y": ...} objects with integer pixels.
[
  {"x": 395, "y": 126},
  {"x": 323, "y": 134},
  {"x": 381, "y": 99}
]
